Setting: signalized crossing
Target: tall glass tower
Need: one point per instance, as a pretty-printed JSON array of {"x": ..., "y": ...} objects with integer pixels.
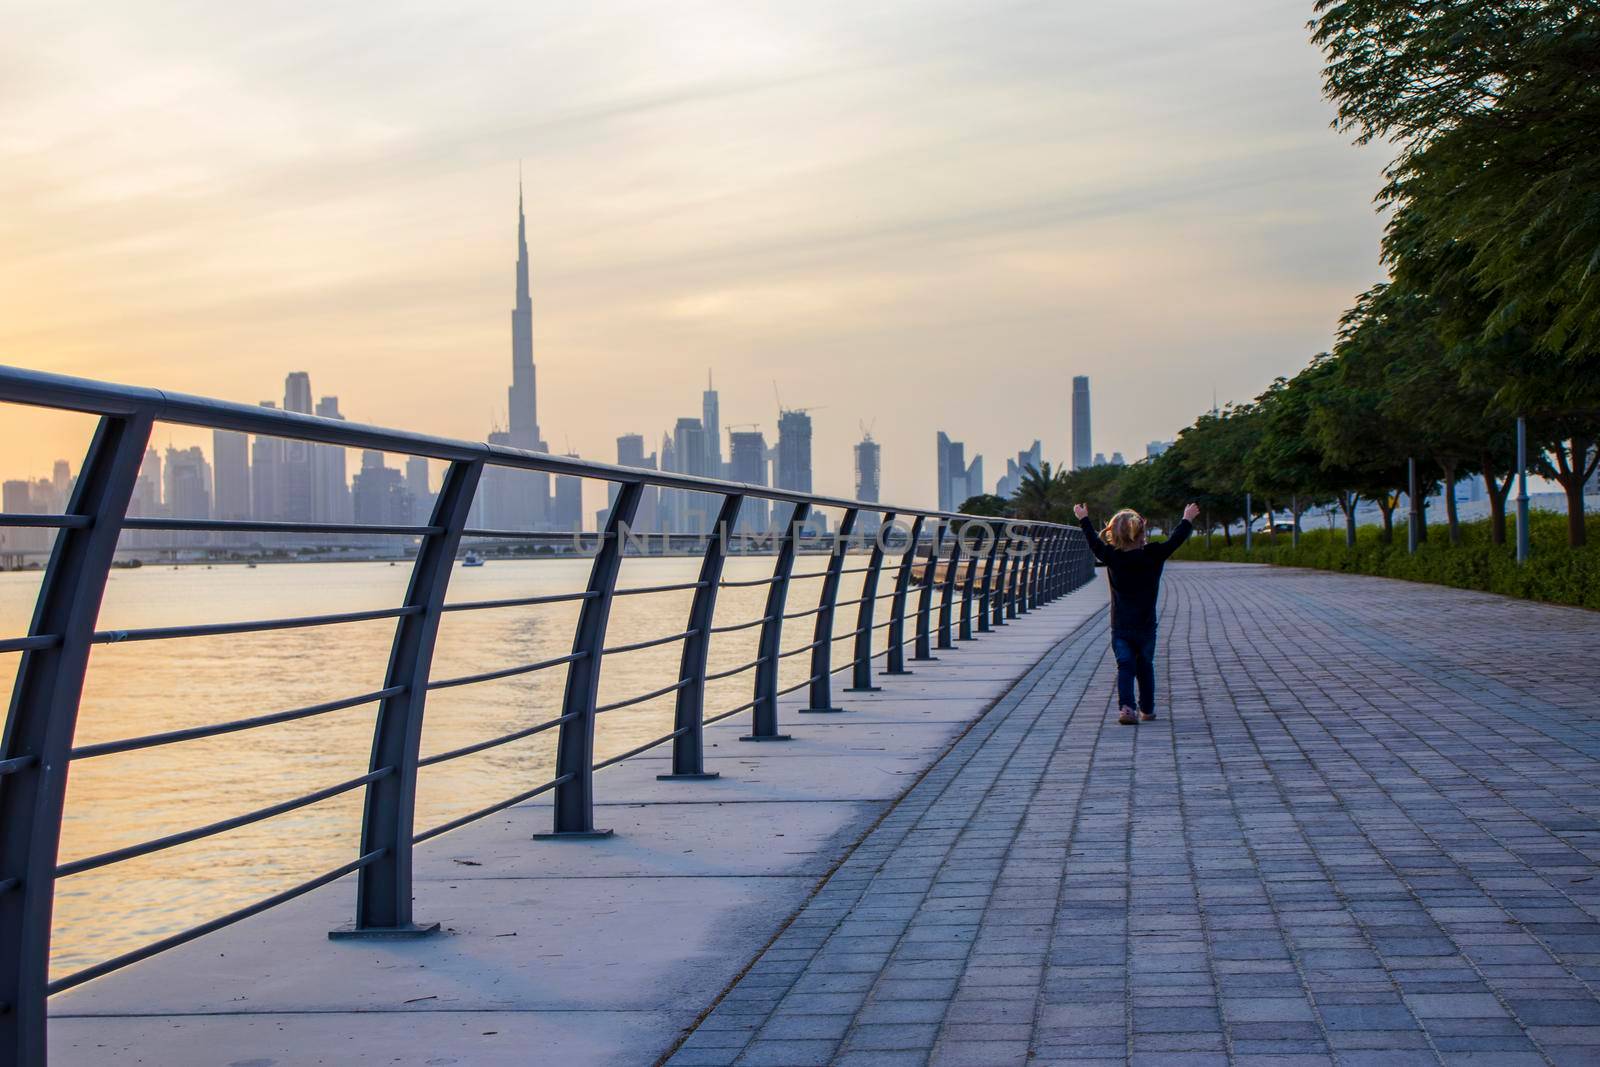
[{"x": 1082, "y": 447}]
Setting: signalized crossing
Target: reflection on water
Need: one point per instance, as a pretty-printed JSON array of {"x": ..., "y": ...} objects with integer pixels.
[{"x": 147, "y": 687}]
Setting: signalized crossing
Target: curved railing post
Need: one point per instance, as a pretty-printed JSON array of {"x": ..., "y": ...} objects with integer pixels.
[
  {"x": 40, "y": 726},
  {"x": 574, "y": 799},
  {"x": 967, "y": 587},
  {"x": 383, "y": 887},
  {"x": 947, "y": 590},
  {"x": 861, "y": 669},
  {"x": 986, "y": 597},
  {"x": 896, "y": 651},
  {"x": 688, "y": 747},
  {"x": 1018, "y": 558},
  {"x": 930, "y": 570},
  {"x": 1036, "y": 592},
  {"x": 764, "y": 715},
  {"x": 822, "y": 650},
  {"x": 1006, "y": 562}
]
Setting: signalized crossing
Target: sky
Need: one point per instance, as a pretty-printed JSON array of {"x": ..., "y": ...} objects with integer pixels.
[{"x": 909, "y": 215}]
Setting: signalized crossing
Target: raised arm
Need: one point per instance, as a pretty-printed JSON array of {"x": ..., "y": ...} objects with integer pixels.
[
  {"x": 1101, "y": 550},
  {"x": 1180, "y": 534}
]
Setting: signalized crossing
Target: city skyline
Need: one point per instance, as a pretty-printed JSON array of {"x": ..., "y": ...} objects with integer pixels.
[{"x": 358, "y": 231}]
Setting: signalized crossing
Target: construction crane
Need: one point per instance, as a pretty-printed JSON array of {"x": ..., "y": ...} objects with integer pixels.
[{"x": 799, "y": 411}]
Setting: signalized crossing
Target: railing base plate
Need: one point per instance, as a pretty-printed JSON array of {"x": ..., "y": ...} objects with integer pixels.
[
  {"x": 766, "y": 737},
  {"x": 822, "y": 711},
  {"x": 573, "y": 835},
  {"x": 703, "y": 776},
  {"x": 408, "y": 932},
  {"x": 896, "y": 674},
  {"x": 868, "y": 688}
]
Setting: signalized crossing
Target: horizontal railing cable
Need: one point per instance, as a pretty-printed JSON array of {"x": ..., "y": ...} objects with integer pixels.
[
  {"x": 651, "y": 643},
  {"x": 628, "y": 703},
  {"x": 493, "y": 742},
  {"x": 211, "y": 926},
  {"x": 195, "y": 733},
  {"x": 167, "y": 633},
  {"x": 517, "y": 602},
  {"x": 160, "y": 844},
  {"x": 504, "y": 672},
  {"x": 499, "y": 805}
]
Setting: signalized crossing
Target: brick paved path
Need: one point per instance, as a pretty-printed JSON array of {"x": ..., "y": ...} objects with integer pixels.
[{"x": 1365, "y": 834}]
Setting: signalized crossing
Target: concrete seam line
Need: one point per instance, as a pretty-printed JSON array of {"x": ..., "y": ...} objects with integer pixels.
[{"x": 1039, "y": 667}]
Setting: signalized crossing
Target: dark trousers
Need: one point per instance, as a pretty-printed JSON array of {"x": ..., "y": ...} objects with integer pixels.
[{"x": 1136, "y": 661}]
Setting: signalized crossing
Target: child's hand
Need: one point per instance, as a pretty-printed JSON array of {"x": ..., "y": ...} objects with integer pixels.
[
  {"x": 1191, "y": 512},
  {"x": 1083, "y": 512}
]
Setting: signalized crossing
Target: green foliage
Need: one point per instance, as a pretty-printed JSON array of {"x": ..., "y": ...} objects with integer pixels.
[
  {"x": 986, "y": 504},
  {"x": 1555, "y": 573}
]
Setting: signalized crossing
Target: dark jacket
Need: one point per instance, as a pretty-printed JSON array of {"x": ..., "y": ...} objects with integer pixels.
[{"x": 1135, "y": 576}]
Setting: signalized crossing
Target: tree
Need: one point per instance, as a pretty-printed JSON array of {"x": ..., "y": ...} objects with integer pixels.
[
  {"x": 986, "y": 504},
  {"x": 1041, "y": 493}
]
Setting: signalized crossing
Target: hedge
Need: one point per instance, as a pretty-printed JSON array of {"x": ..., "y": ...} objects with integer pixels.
[{"x": 1554, "y": 572}]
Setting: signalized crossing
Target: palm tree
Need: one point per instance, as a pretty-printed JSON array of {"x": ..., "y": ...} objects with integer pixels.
[{"x": 1043, "y": 491}]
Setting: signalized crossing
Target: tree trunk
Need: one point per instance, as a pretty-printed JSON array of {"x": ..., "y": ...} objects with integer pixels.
[
  {"x": 1450, "y": 501},
  {"x": 1386, "y": 504},
  {"x": 1227, "y": 535},
  {"x": 1498, "y": 491},
  {"x": 1272, "y": 527},
  {"x": 1347, "y": 504},
  {"x": 1294, "y": 517},
  {"x": 1573, "y": 467}
]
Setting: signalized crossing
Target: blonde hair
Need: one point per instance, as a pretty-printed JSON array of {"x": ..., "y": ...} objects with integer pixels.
[{"x": 1125, "y": 530}]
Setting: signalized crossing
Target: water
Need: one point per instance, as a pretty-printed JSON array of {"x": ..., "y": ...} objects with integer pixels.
[{"x": 147, "y": 687}]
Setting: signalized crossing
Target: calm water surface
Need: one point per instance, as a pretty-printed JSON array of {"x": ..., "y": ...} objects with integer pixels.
[{"x": 146, "y": 687}]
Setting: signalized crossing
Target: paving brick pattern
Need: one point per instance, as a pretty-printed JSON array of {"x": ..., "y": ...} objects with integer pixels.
[{"x": 1363, "y": 832}]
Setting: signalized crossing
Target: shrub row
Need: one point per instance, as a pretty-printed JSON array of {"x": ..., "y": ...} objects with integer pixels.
[{"x": 1554, "y": 573}]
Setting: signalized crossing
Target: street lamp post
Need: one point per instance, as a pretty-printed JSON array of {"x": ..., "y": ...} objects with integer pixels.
[
  {"x": 1247, "y": 522},
  {"x": 1414, "y": 513},
  {"x": 1522, "y": 490}
]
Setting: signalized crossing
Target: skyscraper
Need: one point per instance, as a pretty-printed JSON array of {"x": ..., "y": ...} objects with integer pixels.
[
  {"x": 188, "y": 491},
  {"x": 566, "y": 502},
  {"x": 711, "y": 420},
  {"x": 378, "y": 493},
  {"x": 266, "y": 459},
  {"x": 416, "y": 482},
  {"x": 524, "y": 494},
  {"x": 329, "y": 486},
  {"x": 747, "y": 462},
  {"x": 1012, "y": 480},
  {"x": 957, "y": 480},
  {"x": 867, "y": 455},
  {"x": 691, "y": 510},
  {"x": 1082, "y": 439},
  {"x": 794, "y": 451},
  {"x": 296, "y": 497},
  {"x": 1155, "y": 448},
  {"x": 230, "y": 477},
  {"x": 630, "y": 453}
]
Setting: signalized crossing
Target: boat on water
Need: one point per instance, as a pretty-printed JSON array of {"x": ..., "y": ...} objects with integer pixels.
[{"x": 472, "y": 559}]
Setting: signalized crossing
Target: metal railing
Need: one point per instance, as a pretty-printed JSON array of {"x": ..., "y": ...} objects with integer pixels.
[{"x": 1023, "y": 565}]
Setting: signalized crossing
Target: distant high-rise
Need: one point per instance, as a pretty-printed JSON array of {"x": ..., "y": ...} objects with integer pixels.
[
  {"x": 296, "y": 492},
  {"x": 524, "y": 495},
  {"x": 378, "y": 494},
  {"x": 1117, "y": 460},
  {"x": 747, "y": 462},
  {"x": 188, "y": 491},
  {"x": 867, "y": 456},
  {"x": 230, "y": 475},
  {"x": 61, "y": 479},
  {"x": 330, "y": 488},
  {"x": 1082, "y": 439},
  {"x": 266, "y": 461},
  {"x": 630, "y": 453},
  {"x": 690, "y": 511},
  {"x": 794, "y": 451},
  {"x": 1155, "y": 448},
  {"x": 1015, "y": 468},
  {"x": 711, "y": 420},
  {"x": 416, "y": 482},
  {"x": 957, "y": 480},
  {"x": 566, "y": 502},
  {"x": 1099, "y": 460}
]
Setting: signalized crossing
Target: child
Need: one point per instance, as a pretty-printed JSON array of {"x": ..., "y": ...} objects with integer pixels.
[{"x": 1135, "y": 571}]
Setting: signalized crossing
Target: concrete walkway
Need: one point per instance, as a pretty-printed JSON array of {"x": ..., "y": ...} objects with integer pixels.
[
  {"x": 578, "y": 953},
  {"x": 1363, "y": 832}
]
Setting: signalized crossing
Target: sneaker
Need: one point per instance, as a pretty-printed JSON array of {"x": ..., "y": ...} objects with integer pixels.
[
  {"x": 1126, "y": 718},
  {"x": 1147, "y": 716}
]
